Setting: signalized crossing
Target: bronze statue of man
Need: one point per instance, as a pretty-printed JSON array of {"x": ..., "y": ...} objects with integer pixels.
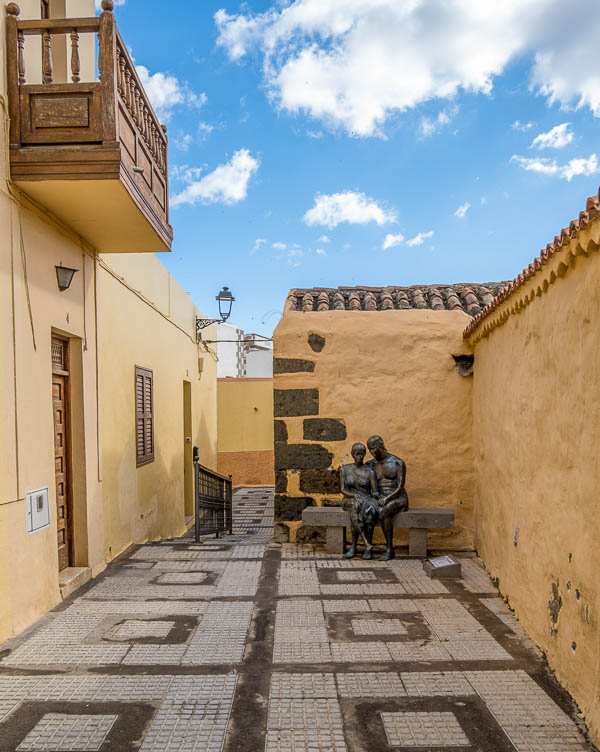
[
  {"x": 390, "y": 472},
  {"x": 359, "y": 485}
]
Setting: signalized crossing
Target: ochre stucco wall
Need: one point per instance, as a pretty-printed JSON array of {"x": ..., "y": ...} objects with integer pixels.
[
  {"x": 156, "y": 332},
  {"x": 389, "y": 373},
  {"x": 245, "y": 430},
  {"x": 29, "y": 583},
  {"x": 537, "y": 433}
]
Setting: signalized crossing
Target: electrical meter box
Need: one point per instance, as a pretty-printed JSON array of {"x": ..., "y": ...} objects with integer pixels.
[{"x": 38, "y": 509}]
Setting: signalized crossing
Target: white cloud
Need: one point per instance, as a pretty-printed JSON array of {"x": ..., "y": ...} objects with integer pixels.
[
  {"x": 354, "y": 208},
  {"x": 419, "y": 239},
  {"x": 392, "y": 240},
  {"x": 353, "y": 64},
  {"x": 204, "y": 130},
  {"x": 321, "y": 252},
  {"x": 555, "y": 138},
  {"x": 227, "y": 184},
  {"x": 184, "y": 173},
  {"x": 580, "y": 166},
  {"x": 429, "y": 126},
  {"x": 483, "y": 200},
  {"x": 166, "y": 92},
  {"x": 523, "y": 127},
  {"x": 183, "y": 141},
  {"x": 292, "y": 256},
  {"x": 257, "y": 244},
  {"x": 546, "y": 166},
  {"x": 324, "y": 239},
  {"x": 280, "y": 246},
  {"x": 462, "y": 210}
]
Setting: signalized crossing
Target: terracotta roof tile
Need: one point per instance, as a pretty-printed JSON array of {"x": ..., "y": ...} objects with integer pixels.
[
  {"x": 470, "y": 298},
  {"x": 590, "y": 214}
]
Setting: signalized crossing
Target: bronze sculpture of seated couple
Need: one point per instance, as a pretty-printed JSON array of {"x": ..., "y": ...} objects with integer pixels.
[{"x": 375, "y": 493}]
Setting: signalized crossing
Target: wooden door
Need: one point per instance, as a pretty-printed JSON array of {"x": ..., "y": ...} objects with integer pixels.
[{"x": 60, "y": 402}]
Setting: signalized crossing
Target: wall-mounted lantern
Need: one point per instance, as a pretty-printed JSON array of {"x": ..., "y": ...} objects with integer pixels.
[
  {"x": 225, "y": 299},
  {"x": 64, "y": 276}
]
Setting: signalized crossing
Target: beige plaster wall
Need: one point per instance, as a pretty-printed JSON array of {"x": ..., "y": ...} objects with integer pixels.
[
  {"x": 146, "y": 319},
  {"x": 29, "y": 563},
  {"x": 537, "y": 433},
  {"x": 391, "y": 373}
]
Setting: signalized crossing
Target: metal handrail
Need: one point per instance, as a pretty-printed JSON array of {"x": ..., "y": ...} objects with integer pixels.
[{"x": 213, "y": 500}]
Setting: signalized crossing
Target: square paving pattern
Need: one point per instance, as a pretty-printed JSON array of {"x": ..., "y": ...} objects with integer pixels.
[
  {"x": 58, "y": 732},
  {"x": 237, "y": 644}
]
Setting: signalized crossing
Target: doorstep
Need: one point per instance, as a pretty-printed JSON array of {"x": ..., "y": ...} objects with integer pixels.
[{"x": 72, "y": 578}]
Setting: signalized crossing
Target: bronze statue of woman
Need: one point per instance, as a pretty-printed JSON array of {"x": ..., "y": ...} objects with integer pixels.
[{"x": 359, "y": 486}]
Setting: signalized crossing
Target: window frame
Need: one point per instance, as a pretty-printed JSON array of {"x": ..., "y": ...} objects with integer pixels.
[{"x": 144, "y": 414}]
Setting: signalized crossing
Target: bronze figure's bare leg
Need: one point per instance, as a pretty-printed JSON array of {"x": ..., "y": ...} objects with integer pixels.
[{"x": 351, "y": 553}]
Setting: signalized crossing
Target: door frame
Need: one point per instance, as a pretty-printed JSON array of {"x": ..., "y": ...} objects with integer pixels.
[{"x": 65, "y": 373}]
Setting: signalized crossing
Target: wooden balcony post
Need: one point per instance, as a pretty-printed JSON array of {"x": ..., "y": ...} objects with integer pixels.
[
  {"x": 107, "y": 66},
  {"x": 166, "y": 172},
  {"x": 12, "y": 70}
]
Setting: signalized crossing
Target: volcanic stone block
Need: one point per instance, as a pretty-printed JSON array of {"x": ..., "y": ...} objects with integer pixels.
[
  {"x": 293, "y": 365},
  {"x": 290, "y": 508},
  {"x": 320, "y": 481},
  {"x": 324, "y": 429},
  {"x": 316, "y": 342},
  {"x": 310, "y": 534},
  {"x": 281, "y": 533},
  {"x": 280, "y": 481},
  {"x": 280, "y": 432},
  {"x": 301, "y": 457},
  {"x": 290, "y": 403}
]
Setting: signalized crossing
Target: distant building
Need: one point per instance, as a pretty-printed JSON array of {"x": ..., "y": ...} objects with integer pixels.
[
  {"x": 259, "y": 356},
  {"x": 230, "y": 352},
  {"x": 243, "y": 355}
]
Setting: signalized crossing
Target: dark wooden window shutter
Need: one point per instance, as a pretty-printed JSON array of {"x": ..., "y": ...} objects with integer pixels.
[{"x": 144, "y": 416}]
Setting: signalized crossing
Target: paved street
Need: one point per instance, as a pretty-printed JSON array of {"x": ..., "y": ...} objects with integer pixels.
[{"x": 243, "y": 645}]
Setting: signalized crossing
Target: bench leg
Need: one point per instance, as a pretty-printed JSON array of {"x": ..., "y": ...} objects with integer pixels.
[
  {"x": 417, "y": 542},
  {"x": 336, "y": 540}
]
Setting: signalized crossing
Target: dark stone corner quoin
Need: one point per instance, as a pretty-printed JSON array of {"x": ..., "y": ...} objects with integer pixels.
[
  {"x": 301, "y": 457},
  {"x": 293, "y": 403},
  {"x": 324, "y": 429},
  {"x": 289, "y": 509},
  {"x": 280, "y": 432},
  {"x": 293, "y": 365},
  {"x": 320, "y": 481}
]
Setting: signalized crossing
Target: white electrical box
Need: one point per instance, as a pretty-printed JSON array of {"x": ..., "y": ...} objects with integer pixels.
[{"x": 38, "y": 509}]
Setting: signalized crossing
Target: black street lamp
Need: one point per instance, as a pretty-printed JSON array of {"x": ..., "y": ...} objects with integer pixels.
[{"x": 225, "y": 299}]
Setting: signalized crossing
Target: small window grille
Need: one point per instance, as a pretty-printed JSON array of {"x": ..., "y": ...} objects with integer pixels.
[{"x": 58, "y": 355}]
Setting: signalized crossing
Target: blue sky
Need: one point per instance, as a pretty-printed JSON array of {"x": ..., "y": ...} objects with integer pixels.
[{"x": 355, "y": 142}]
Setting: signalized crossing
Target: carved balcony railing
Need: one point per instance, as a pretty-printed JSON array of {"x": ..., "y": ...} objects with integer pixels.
[{"x": 94, "y": 152}]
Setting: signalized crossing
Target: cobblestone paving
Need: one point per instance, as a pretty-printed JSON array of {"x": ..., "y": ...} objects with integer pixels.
[{"x": 240, "y": 645}]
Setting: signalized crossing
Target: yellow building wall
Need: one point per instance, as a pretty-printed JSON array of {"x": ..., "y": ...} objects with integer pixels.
[
  {"x": 31, "y": 309},
  {"x": 147, "y": 320},
  {"x": 537, "y": 433},
  {"x": 245, "y": 430},
  {"x": 389, "y": 373}
]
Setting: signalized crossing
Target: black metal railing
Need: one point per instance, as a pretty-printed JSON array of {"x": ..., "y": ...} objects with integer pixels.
[{"x": 213, "y": 511}]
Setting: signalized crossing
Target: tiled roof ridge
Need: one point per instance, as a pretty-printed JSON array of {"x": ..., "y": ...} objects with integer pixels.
[
  {"x": 471, "y": 298},
  {"x": 567, "y": 234}
]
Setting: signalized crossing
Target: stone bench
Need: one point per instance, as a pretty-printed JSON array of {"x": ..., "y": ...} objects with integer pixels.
[{"x": 418, "y": 521}]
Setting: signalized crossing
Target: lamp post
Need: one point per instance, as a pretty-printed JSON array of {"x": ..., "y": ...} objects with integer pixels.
[{"x": 225, "y": 299}]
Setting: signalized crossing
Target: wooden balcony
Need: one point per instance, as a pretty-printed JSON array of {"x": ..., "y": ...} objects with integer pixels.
[{"x": 93, "y": 153}]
